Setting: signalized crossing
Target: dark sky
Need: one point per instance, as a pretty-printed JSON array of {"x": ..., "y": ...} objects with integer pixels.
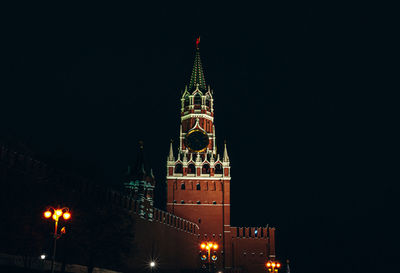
[{"x": 82, "y": 85}]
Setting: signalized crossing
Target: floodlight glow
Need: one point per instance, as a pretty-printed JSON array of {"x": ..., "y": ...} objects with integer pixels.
[{"x": 152, "y": 264}]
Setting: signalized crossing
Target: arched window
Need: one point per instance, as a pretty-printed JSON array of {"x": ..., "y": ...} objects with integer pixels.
[
  {"x": 205, "y": 169},
  {"x": 197, "y": 99},
  {"x": 178, "y": 168},
  {"x": 218, "y": 169},
  {"x": 208, "y": 102},
  {"x": 186, "y": 102},
  {"x": 198, "y": 186},
  {"x": 191, "y": 169},
  {"x": 183, "y": 186}
]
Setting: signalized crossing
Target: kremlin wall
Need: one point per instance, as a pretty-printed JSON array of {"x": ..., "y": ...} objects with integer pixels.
[{"x": 198, "y": 197}]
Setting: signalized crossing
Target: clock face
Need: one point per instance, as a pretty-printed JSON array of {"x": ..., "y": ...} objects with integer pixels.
[{"x": 196, "y": 141}]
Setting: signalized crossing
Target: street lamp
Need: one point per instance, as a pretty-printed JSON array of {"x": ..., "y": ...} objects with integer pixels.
[
  {"x": 273, "y": 266},
  {"x": 208, "y": 246},
  {"x": 55, "y": 214}
]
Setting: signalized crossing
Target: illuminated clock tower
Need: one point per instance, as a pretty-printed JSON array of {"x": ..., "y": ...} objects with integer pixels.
[{"x": 198, "y": 178}]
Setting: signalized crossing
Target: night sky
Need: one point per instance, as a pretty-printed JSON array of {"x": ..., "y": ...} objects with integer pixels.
[{"x": 80, "y": 86}]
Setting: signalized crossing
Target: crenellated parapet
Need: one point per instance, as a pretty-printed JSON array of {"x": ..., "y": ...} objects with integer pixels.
[
  {"x": 251, "y": 232},
  {"x": 254, "y": 244}
]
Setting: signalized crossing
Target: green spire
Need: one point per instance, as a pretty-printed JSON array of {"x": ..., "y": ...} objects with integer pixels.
[{"x": 197, "y": 73}]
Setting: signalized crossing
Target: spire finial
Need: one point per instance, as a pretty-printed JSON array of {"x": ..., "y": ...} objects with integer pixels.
[
  {"x": 140, "y": 170},
  {"x": 197, "y": 76},
  {"x": 226, "y": 157},
  {"x": 197, "y": 42},
  {"x": 171, "y": 153}
]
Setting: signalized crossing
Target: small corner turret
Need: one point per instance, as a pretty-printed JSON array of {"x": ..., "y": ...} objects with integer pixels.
[{"x": 140, "y": 183}]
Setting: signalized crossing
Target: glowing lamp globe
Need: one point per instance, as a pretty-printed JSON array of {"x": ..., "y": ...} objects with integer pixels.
[
  {"x": 47, "y": 214},
  {"x": 67, "y": 215}
]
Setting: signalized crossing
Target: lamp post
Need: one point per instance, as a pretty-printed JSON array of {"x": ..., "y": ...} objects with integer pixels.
[
  {"x": 273, "y": 266},
  {"x": 55, "y": 214},
  {"x": 209, "y": 246}
]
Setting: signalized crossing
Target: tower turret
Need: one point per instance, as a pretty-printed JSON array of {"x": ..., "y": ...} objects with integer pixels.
[{"x": 140, "y": 186}]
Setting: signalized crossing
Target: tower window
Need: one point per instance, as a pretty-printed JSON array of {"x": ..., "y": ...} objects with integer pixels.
[
  {"x": 186, "y": 103},
  {"x": 178, "y": 168},
  {"x": 197, "y": 99},
  {"x": 205, "y": 169},
  {"x": 183, "y": 186},
  {"x": 214, "y": 202},
  {"x": 182, "y": 202},
  {"x": 191, "y": 169},
  {"x": 218, "y": 169},
  {"x": 198, "y": 186},
  {"x": 198, "y": 202},
  {"x": 208, "y": 102}
]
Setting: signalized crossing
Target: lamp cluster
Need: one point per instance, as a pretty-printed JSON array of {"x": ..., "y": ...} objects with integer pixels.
[
  {"x": 57, "y": 213},
  {"x": 207, "y": 247},
  {"x": 273, "y": 266}
]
